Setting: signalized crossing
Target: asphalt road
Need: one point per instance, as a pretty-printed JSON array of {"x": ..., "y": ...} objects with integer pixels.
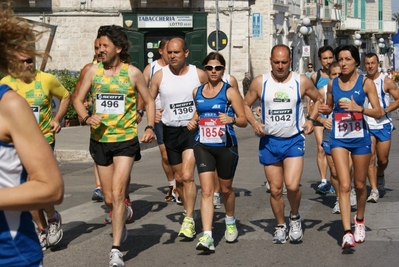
[{"x": 153, "y": 239}]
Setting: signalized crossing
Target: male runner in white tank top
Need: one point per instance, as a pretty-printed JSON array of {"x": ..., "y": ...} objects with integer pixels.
[
  {"x": 175, "y": 83},
  {"x": 380, "y": 129}
]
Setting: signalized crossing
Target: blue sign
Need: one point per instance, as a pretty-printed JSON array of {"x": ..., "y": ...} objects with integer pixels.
[{"x": 257, "y": 26}]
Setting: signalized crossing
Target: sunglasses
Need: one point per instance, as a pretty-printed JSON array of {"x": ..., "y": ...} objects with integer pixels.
[
  {"x": 210, "y": 67},
  {"x": 28, "y": 60}
]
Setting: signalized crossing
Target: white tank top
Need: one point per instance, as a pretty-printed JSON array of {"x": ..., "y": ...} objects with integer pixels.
[
  {"x": 154, "y": 68},
  {"x": 176, "y": 92},
  {"x": 226, "y": 78},
  {"x": 384, "y": 99},
  {"x": 282, "y": 111}
]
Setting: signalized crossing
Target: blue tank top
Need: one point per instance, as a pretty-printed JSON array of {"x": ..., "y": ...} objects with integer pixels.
[
  {"x": 19, "y": 244},
  {"x": 322, "y": 82},
  {"x": 211, "y": 131},
  {"x": 349, "y": 129}
]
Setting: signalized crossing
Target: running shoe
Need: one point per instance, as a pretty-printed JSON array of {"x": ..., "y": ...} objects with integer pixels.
[
  {"x": 187, "y": 229},
  {"x": 374, "y": 196},
  {"x": 284, "y": 190},
  {"x": 348, "y": 241},
  {"x": 129, "y": 209},
  {"x": 169, "y": 197},
  {"x": 353, "y": 197},
  {"x": 43, "y": 239},
  {"x": 55, "y": 232},
  {"x": 360, "y": 231},
  {"x": 332, "y": 190},
  {"x": 336, "y": 209},
  {"x": 129, "y": 212},
  {"x": 205, "y": 243},
  {"x": 280, "y": 234},
  {"x": 217, "y": 202},
  {"x": 231, "y": 232},
  {"x": 267, "y": 185},
  {"x": 323, "y": 188},
  {"x": 295, "y": 233},
  {"x": 108, "y": 219},
  {"x": 177, "y": 197},
  {"x": 97, "y": 195},
  {"x": 116, "y": 258}
]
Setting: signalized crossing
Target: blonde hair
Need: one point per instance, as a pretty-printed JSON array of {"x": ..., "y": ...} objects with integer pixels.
[{"x": 16, "y": 36}]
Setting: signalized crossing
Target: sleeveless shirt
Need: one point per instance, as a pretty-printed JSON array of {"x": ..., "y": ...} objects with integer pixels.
[
  {"x": 19, "y": 245},
  {"x": 176, "y": 92},
  {"x": 282, "y": 111}
]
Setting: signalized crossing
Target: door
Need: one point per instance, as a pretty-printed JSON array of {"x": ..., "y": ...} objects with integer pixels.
[
  {"x": 136, "y": 49},
  {"x": 196, "y": 43}
]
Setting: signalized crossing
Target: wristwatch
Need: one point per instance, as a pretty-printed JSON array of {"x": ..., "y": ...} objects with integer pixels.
[
  {"x": 141, "y": 112},
  {"x": 386, "y": 110},
  {"x": 234, "y": 120},
  {"x": 149, "y": 127}
]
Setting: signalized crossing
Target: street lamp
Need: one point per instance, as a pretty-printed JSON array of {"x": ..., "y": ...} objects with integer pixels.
[
  {"x": 381, "y": 45},
  {"x": 358, "y": 42},
  {"x": 305, "y": 29}
]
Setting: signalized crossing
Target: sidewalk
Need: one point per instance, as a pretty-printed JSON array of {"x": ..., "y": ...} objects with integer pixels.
[{"x": 72, "y": 143}]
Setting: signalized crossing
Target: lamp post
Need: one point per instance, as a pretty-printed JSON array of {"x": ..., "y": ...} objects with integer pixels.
[
  {"x": 358, "y": 44},
  {"x": 381, "y": 45},
  {"x": 305, "y": 30}
]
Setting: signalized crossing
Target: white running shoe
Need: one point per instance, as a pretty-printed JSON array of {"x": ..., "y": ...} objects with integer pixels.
[
  {"x": 295, "y": 233},
  {"x": 336, "y": 209},
  {"x": 348, "y": 241},
  {"x": 280, "y": 234},
  {"x": 217, "y": 202},
  {"x": 374, "y": 196},
  {"x": 353, "y": 197},
  {"x": 55, "y": 232},
  {"x": 360, "y": 231},
  {"x": 116, "y": 258}
]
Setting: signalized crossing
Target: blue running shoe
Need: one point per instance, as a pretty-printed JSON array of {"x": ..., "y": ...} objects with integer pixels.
[
  {"x": 323, "y": 189},
  {"x": 97, "y": 195},
  {"x": 332, "y": 190}
]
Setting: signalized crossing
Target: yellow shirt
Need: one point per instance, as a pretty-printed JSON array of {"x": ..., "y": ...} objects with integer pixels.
[{"x": 39, "y": 95}]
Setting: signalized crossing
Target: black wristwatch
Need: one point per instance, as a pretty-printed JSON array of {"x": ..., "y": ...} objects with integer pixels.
[
  {"x": 312, "y": 120},
  {"x": 141, "y": 112},
  {"x": 149, "y": 127},
  {"x": 234, "y": 120}
]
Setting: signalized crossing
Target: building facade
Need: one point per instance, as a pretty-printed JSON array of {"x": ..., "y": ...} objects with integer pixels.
[{"x": 244, "y": 31}]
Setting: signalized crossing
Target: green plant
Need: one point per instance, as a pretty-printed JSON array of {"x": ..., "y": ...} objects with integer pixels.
[
  {"x": 69, "y": 80},
  {"x": 397, "y": 78}
]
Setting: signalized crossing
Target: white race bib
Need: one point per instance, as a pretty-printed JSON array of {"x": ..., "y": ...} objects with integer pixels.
[
  {"x": 280, "y": 117},
  {"x": 348, "y": 125},
  {"x": 183, "y": 111},
  {"x": 212, "y": 130},
  {"x": 36, "y": 112},
  {"x": 110, "y": 103}
]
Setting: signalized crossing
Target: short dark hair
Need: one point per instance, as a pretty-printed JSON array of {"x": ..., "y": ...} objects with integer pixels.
[
  {"x": 163, "y": 42},
  {"x": 214, "y": 56},
  {"x": 371, "y": 54},
  {"x": 118, "y": 37},
  {"x": 324, "y": 49},
  {"x": 352, "y": 49},
  {"x": 310, "y": 65}
]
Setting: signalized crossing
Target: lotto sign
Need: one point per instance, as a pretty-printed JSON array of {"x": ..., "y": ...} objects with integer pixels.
[{"x": 306, "y": 51}]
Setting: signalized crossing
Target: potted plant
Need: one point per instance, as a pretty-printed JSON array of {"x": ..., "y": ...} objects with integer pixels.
[
  {"x": 337, "y": 6},
  {"x": 69, "y": 80}
]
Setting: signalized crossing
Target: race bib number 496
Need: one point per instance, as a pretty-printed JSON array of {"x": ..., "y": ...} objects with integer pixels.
[
  {"x": 348, "y": 125},
  {"x": 110, "y": 103},
  {"x": 212, "y": 130}
]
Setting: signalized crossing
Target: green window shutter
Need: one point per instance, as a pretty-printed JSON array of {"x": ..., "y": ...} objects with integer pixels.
[{"x": 196, "y": 43}]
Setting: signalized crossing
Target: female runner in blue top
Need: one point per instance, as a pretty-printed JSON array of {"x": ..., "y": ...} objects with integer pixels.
[
  {"x": 219, "y": 107},
  {"x": 346, "y": 96}
]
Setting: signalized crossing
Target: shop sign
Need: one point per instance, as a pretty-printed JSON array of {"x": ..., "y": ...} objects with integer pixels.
[{"x": 165, "y": 21}]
